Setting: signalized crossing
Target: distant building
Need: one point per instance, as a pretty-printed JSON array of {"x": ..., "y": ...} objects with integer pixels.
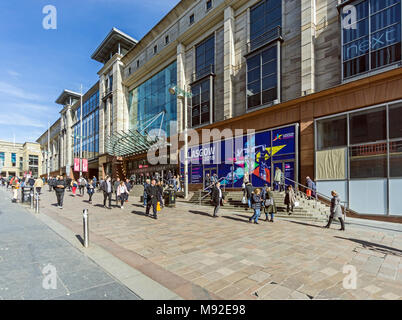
[{"x": 18, "y": 159}]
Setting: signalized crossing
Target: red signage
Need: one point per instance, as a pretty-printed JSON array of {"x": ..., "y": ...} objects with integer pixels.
[
  {"x": 76, "y": 164},
  {"x": 84, "y": 165}
]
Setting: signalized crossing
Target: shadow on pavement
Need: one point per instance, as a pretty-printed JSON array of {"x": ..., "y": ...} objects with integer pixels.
[
  {"x": 375, "y": 246},
  {"x": 138, "y": 205},
  {"x": 236, "y": 219},
  {"x": 201, "y": 213},
  {"x": 80, "y": 239},
  {"x": 308, "y": 224}
]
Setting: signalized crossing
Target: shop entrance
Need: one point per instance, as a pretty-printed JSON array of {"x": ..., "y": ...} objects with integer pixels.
[{"x": 288, "y": 168}]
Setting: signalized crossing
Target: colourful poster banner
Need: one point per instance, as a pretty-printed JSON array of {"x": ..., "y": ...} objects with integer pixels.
[
  {"x": 76, "y": 164},
  {"x": 84, "y": 165}
]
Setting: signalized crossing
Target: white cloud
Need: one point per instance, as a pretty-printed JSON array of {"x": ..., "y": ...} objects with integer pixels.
[
  {"x": 10, "y": 90},
  {"x": 17, "y": 119},
  {"x": 13, "y": 73}
]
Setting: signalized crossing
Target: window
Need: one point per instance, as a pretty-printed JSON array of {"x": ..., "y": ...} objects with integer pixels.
[
  {"x": 21, "y": 163},
  {"x": 332, "y": 133},
  {"x": 209, "y": 4},
  {"x": 201, "y": 103},
  {"x": 395, "y": 123},
  {"x": 129, "y": 70},
  {"x": 368, "y": 126},
  {"x": 368, "y": 161},
  {"x": 167, "y": 39},
  {"x": 110, "y": 82},
  {"x": 395, "y": 160},
  {"x": 192, "y": 19},
  {"x": 33, "y": 160},
  {"x": 264, "y": 19},
  {"x": 205, "y": 57},
  {"x": 262, "y": 79},
  {"x": 138, "y": 63},
  {"x": 2, "y": 159},
  {"x": 374, "y": 40},
  {"x": 13, "y": 159},
  {"x": 155, "y": 49}
]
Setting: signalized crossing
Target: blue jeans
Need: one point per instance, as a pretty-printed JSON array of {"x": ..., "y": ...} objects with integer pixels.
[
  {"x": 145, "y": 199},
  {"x": 256, "y": 215},
  {"x": 249, "y": 202}
]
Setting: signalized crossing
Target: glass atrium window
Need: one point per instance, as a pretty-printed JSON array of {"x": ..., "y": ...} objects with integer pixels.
[
  {"x": 201, "y": 103},
  {"x": 374, "y": 39},
  {"x": 205, "y": 57}
]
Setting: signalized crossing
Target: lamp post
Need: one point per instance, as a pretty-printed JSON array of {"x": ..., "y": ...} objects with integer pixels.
[
  {"x": 81, "y": 135},
  {"x": 182, "y": 94}
]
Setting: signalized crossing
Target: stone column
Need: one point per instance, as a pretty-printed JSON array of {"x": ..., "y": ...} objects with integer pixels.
[
  {"x": 308, "y": 26},
  {"x": 69, "y": 139},
  {"x": 228, "y": 61},
  {"x": 181, "y": 81}
]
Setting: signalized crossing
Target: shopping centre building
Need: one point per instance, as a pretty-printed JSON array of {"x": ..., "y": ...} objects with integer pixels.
[{"x": 322, "y": 95}]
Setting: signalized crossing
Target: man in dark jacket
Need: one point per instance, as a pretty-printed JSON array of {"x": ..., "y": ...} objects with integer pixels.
[
  {"x": 249, "y": 193},
  {"x": 59, "y": 187},
  {"x": 152, "y": 198},
  {"x": 129, "y": 187},
  {"x": 107, "y": 189},
  {"x": 217, "y": 197}
]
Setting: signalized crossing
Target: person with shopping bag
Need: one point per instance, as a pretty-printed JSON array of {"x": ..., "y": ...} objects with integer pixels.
[
  {"x": 152, "y": 198},
  {"x": 290, "y": 199},
  {"x": 269, "y": 204},
  {"x": 122, "y": 193}
]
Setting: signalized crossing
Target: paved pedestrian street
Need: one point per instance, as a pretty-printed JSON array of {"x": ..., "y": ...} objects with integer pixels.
[
  {"x": 29, "y": 250},
  {"x": 198, "y": 257}
]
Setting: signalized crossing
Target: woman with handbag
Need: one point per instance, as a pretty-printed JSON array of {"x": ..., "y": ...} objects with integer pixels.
[
  {"x": 269, "y": 204},
  {"x": 91, "y": 190}
]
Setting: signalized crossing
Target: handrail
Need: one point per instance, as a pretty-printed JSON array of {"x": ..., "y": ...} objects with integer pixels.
[
  {"x": 346, "y": 203},
  {"x": 206, "y": 188}
]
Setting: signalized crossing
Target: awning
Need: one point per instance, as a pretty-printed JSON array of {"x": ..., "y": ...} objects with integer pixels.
[{"x": 128, "y": 144}]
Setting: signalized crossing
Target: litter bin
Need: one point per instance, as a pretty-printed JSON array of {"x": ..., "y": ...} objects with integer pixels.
[
  {"x": 26, "y": 195},
  {"x": 170, "y": 198}
]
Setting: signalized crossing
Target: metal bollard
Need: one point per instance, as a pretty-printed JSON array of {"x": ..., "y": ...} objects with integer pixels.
[
  {"x": 32, "y": 198},
  {"x": 86, "y": 228},
  {"x": 37, "y": 203}
]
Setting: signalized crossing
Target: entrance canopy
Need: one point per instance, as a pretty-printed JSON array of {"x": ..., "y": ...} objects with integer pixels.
[{"x": 136, "y": 141}]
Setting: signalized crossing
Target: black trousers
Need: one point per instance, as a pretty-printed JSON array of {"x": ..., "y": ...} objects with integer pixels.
[
  {"x": 81, "y": 190},
  {"x": 60, "y": 198},
  {"x": 105, "y": 196},
  {"x": 90, "y": 196},
  {"x": 340, "y": 220},
  {"x": 149, "y": 204}
]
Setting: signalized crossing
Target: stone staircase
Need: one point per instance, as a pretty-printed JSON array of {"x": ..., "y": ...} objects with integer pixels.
[{"x": 310, "y": 210}]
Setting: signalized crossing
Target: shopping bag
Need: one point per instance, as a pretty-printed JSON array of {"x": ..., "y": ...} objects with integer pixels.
[
  {"x": 308, "y": 192},
  {"x": 297, "y": 203},
  {"x": 244, "y": 200},
  {"x": 158, "y": 206}
]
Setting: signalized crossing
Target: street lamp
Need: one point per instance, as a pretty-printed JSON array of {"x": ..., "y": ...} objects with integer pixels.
[{"x": 182, "y": 94}]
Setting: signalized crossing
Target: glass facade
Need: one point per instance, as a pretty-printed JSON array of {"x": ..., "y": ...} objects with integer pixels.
[
  {"x": 153, "y": 97},
  {"x": 90, "y": 129},
  {"x": 2, "y": 158},
  {"x": 13, "y": 159},
  {"x": 374, "y": 40},
  {"x": 364, "y": 149},
  {"x": 205, "y": 57},
  {"x": 201, "y": 103},
  {"x": 262, "y": 77}
]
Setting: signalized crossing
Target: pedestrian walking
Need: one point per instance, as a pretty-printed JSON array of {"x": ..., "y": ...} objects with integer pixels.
[
  {"x": 256, "y": 205},
  {"x": 122, "y": 193},
  {"x": 146, "y": 184},
  {"x": 277, "y": 179},
  {"x": 59, "y": 187},
  {"x": 269, "y": 204},
  {"x": 152, "y": 198},
  {"x": 82, "y": 182},
  {"x": 107, "y": 189},
  {"x": 15, "y": 186},
  {"x": 290, "y": 199},
  {"x": 129, "y": 187},
  {"x": 159, "y": 184},
  {"x": 74, "y": 186},
  {"x": 91, "y": 190},
  {"x": 309, "y": 190},
  {"x": 249, "y": 194},
  {"x": 217, "y": 198},
  {"x": 336, "y": 211}
]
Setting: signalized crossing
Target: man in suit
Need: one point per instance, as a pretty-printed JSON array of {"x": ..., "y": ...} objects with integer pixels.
[
  {"x": 217, "y": 197},
  {"x": 152, "y": 198}
]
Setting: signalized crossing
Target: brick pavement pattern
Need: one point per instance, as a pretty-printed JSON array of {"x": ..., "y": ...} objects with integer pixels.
[{"x": 199, "y": 257}]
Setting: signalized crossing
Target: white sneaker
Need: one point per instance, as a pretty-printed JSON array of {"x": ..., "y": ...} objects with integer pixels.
[{"x": 122, "y": 207}]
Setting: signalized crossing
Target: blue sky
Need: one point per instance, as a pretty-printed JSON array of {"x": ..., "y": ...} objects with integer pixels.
[{"x": 37, "y": 64}]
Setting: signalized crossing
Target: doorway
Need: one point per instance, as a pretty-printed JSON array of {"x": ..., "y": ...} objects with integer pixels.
[
  {"x": 288, "y": 168},
  {"x": 211, "y": 172}
]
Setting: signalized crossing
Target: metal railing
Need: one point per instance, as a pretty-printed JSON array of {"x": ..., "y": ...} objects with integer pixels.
[
  {"x": 301, "y": 194},
  {"x": 201, "y": 197},
  {"x": 267, "y": 37}
]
